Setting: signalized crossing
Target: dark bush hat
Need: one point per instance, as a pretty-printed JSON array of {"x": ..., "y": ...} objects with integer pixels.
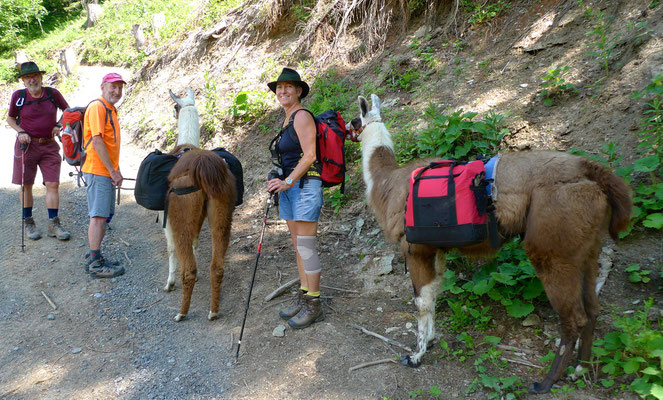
[
  {"x": 290, "y": 75},
  {"x": 29, "y": 68}
]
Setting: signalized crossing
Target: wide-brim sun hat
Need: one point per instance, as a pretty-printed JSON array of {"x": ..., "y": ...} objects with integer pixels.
[
  {"x": 29, "y": 67},
  {"x": 290, "y": 75}
]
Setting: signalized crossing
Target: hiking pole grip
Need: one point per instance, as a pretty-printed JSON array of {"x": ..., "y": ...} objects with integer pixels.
[
  {"x": 273, "y": 174},
  {"x": 24, "y": 147}
]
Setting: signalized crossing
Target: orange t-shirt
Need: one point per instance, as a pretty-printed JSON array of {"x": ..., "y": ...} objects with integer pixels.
[{"x": 97, "y": 124}]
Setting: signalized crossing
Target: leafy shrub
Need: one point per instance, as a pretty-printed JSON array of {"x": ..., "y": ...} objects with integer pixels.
[
  {"x": 248, "y": 105},
  {"x": 604, "y": 40},
  {"x": 481, "y": 11},
  {"x": 554, "y": 83},
  {"x": 634, "y": 349},
  {"x": 331, "y": 92},
  {"x": 456, "y": 136},
  {"x": 16, "y": 17}
]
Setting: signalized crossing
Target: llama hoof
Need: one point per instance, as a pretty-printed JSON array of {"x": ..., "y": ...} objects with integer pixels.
[
  {"x": 169, "y": 287},
  {"x": 212, "y": 316},
  {"x": 179, "y": 317},
  {"x": 407, "y": 361},
  {"x": 538, "y": 387}
]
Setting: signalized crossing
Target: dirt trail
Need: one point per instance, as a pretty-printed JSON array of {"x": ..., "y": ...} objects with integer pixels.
[{"x": 116, "y": 338}]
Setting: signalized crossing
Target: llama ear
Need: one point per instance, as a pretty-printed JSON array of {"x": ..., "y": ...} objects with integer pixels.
[
  {"x": 376, "y": 102},
  {"x": 363, "y": 105},
  {"x": 175, "y": 98},
  {"x": 189, "y": 93}
]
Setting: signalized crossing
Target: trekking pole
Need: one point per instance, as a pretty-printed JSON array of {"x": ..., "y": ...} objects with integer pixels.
[
  {"x": 255, "y": 268},
  {"x": 23, "y": 148}
]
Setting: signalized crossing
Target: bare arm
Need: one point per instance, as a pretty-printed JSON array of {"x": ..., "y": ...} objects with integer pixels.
[
  {"x": 305, "y": 129},
  {"x": 102, "y": 152},
  {"x": 23, "y": 136}
]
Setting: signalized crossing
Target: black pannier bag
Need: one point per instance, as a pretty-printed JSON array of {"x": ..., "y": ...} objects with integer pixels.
[
  {"x": 152, "y": 179},
  {"x": 236, "y": 168}
]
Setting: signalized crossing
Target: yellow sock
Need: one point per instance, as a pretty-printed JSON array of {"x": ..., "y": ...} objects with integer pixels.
[
  {"x": 303, "y": 288},
  {"x": 314, "y": 294}
]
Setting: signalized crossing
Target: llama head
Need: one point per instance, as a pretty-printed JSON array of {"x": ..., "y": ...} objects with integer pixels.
[
  {"x": 369, "y": 114},
  {"x": 187, "y": 118},
  {"x": 181, "y": 102}
]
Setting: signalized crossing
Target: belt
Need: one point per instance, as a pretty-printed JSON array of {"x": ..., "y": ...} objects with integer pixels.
[{"x": 43, "y": 140}]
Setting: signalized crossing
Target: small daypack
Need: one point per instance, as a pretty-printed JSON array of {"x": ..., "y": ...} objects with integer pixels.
[
  {"x": 447, "y": 204},
  {"x": 330, "y": 146},
  {"x": 152, "y": 178},
  {"x": 20, "y": 101},
  {"x": 71, "y": 134}
]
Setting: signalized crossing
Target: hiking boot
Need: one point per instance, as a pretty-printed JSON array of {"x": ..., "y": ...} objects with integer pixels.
[
  {"x": 88, "y": 261},
  {"x": 99, "y": 268},
  {"x": 311, "y": 312},
  {"x": 56, "y": 230},
  {"x": 294, "y": 307},
  {"x": 31, "y": 229}
]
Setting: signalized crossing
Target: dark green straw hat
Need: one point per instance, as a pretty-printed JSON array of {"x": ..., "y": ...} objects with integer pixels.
[
  {"x": 29, "y": 68},
  {"x": 290, "y": 75}
]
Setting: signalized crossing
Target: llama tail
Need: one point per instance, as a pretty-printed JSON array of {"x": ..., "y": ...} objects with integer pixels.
[
  {"x": 618, "y": 195},
  {"x": 208, "y": 171}
]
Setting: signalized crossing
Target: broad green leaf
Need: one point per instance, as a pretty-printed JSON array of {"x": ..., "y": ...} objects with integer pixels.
[
  {"x": 519, "y": 309},
  {"x": 646, "y": 164},
  {"x": 656, "y": 391},
  {"x": 631, "y": 366},
  {"x": 503, "y": 278},
  {"x": 640, "y": 386},
  {"x": 654, "y": 221},
  {"x": 482, "y": 287},
  {"x": 435, "y": 391},
  {"x": 651, "y": 371},
  {"x": 492, "y": 339}
]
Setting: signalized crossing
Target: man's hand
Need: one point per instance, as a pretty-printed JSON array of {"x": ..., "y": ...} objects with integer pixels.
[
  {"x": 116, "y": 177},
  {"x": 24, "y": 138},
  {"x": 56, "y": 132}
]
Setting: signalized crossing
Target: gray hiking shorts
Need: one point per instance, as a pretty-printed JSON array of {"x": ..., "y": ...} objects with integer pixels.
[{"x": 100, "y": 195}]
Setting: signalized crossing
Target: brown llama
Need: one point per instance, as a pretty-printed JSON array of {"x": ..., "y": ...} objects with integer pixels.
[
  {"x": 562, "y": 205},
  {"x": 201, "y": 185}
]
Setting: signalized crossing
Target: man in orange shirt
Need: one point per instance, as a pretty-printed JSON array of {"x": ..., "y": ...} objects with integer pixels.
[{"x": 102, "y": 170}]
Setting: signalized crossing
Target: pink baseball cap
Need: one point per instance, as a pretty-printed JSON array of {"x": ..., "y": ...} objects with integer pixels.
[{"x": 113, "y": 77}]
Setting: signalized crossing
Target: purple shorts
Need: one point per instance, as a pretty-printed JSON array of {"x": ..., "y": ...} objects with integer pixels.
[{"x": 44, "y": 155}]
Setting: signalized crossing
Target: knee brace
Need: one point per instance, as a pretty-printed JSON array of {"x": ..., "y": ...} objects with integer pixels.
[{"x": 306, "y": 247}]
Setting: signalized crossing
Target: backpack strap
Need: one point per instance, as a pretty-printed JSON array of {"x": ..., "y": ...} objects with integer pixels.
[
  {"x": 22, "y": 94},
  {"x": 108, "y": 117}
]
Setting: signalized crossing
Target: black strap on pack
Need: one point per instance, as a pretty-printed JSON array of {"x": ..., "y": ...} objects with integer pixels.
[
  {"x": 178, "y": 191},
  {"x": 22, "y": 94},
  {"x": 108, "y": 117}
]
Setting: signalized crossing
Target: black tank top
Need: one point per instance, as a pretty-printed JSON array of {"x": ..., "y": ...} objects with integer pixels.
[{"x": 290, "y": 150}]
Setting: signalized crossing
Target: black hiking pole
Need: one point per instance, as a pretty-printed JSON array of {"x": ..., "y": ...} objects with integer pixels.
[
  {"x": 23, "y": 148},
  {"x": 255, "y": 268}
]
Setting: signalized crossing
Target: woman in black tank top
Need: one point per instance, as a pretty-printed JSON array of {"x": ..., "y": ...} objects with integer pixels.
[{"x": 300, "y": 196}]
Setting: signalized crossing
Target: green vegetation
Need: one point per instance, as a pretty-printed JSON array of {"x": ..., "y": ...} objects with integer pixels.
[
  {"x": 426, "y": 53},
  {"x": 331, "y": 92},
  {"x": 480, "y": 11},
  {"x": 634, "y": 351},
  {"x": 433, "y": 391},
  {"x": 249, "y": 105},
  {"x": 455, "y": 135},
  {"x": 555, "y": 84},
  {"x": 17, "y": 19},
  {"x": 604, "y": 40}
]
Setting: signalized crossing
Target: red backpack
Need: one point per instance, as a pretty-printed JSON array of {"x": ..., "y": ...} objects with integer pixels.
[
  {"x": 329, "y": 147},
  {"x": 71, "y": 135},
  {"x": 447, "y": 204}
]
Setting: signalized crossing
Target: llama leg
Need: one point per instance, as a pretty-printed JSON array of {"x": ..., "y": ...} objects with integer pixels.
[
  {"x": 426, "y": 284},
  {"x": 172, "y": 259},
  {"x": 220, "y": 218},
  {"x": 591, "y": 303},
  {"x": 563, "y": 286}
]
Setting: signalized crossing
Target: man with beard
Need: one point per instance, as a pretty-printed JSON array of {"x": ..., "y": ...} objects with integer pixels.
[
  {"x": 101, "y": 136},
  {"x": 33, "y": 115}
]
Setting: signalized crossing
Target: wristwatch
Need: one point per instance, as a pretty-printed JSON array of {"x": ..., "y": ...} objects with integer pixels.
[{"x": 288, "y": 181}]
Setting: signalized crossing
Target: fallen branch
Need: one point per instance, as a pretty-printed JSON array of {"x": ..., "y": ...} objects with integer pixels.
[
  {"x": 339, "y": 289},
  {"x": 127, "y": 257},
  {"x": 523, "y": 362},
  {"x": 368, "y": 364},
  {"x": 513, "y": 349},
  {"x": 149, "y": 305},
  {"x": 49, "y": 300},
  {"x": 385, "y": 339},
  {"x": 281, "y": 289}
]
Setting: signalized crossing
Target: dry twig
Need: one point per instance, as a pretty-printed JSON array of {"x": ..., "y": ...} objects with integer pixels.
[
  {"x": 49, "y": 300},
  {"x": 281, "y": 289},
  {"x": 370, "y": 363},
  {"x": 377, "y": 335},
  {"x": 523, "y": 362}
]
